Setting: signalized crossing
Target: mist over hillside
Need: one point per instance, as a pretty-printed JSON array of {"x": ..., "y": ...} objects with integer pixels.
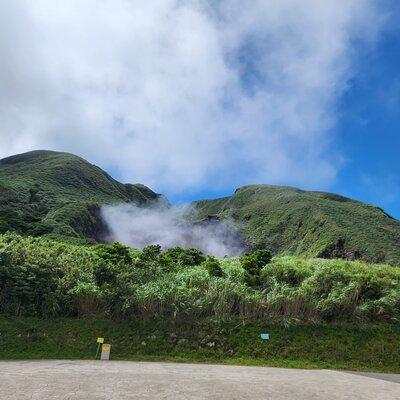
[
  {"x": 60, "y": 195},
  {"x": 171, "y": 226}
]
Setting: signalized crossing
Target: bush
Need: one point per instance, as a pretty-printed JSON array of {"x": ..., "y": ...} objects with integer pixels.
[
  {"x": 253, "y": 263},
  {"x": 105, "y": 274},
  {"x": 28, "y": 289},
  {"x": 114, "y": 253},
  {"x": 191, "y": 257},
  {"x": 149, "y": 259},
  {"x": 44, "y": 277},
  {"x": 262, "y": 256},
  {"x": 213, "y": 267},
  {"x": 179, "y": 257}
]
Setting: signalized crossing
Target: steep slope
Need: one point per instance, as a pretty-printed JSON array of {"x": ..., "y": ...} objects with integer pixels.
[
  {"x": 44, "y": 192},
  {"x": 293, "y": 221}
]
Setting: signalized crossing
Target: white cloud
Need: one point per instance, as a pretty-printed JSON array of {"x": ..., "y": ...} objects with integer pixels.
[
  {"x": 168, "y": 226},
  {"x": 180, "y": 94}
]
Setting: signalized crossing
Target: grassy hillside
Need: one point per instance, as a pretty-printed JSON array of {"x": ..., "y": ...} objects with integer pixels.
[
  {"x": 312, "y": 224},
  {"x": 46, "y": 192},
  {"x": 368, "y": 348},
  {"x": 59, "y": 194}
]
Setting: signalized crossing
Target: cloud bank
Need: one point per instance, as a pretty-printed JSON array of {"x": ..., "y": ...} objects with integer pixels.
[
  {"x": 182, "y": 94},
  {"x": 169, "y": 227}
]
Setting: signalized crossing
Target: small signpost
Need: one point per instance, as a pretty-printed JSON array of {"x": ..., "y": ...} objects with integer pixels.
[
  {"x": 100, "y": 341},
  {"x": 105, "y": 351}
]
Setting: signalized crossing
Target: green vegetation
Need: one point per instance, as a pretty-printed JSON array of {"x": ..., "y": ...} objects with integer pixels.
[
  {"x": 59, "y": 194},
  {"x": 213, "y": 266},
  {"x": 60, "y": 288},
  {"x": 252, "y": 264},
  {"x": 45, "y": 193},
  {"x": 367, "y": 347},
  {"x": 312, "y": 224},
  {"x": 56, "y": 298},
  {"x": 45, "y": 278}
]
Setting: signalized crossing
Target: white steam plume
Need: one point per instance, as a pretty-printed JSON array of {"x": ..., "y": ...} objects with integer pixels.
[{"x": 169, "y": 227}]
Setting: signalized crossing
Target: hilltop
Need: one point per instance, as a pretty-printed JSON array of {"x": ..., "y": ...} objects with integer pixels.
[
  {"x": 47, "y": 192},
  {"x": 314, "y": 224},
  {"x": 60, "y": 194}
]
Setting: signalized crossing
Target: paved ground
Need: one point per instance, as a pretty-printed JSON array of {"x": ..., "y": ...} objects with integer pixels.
[
  {"x": 119, "y": 380},
  {"x": 385, "y": 377}
]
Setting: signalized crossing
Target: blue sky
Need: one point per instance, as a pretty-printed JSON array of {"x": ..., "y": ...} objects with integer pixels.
[
  {"x": 367, "y": 132},
  {"x": 195, "y": 99},
  {"x": 369, "y": 127}
]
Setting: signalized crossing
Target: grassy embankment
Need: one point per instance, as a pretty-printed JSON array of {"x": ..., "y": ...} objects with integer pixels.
[
  {"x": 56, "y": 298},
  {"x": 367, "y": 347}
]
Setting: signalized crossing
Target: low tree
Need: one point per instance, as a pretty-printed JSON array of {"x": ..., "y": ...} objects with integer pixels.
[
  {"x": 149, "y": 258},
  {"x": 176, "y": 257},
  {"x": 253, "y": 263},
  {"x": 191, "y": 257},
  {"x": 213, "y": 267},
  {"x": 114, "y": 253},
  {"x": 263, "y": 257},
  {"x": 170, "y": 259},
  {"x": 105, "y": 273}
]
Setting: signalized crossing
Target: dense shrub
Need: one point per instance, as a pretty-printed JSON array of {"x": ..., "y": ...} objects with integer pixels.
[
  {"x": 114, "y": 253},
  {"x": 253, "y": 263},
  {"x": 149, "y": 259},
  {"x": 28, "y": 289},
  {"x": 213, "y": 267},
  {"x": 176, "y": 257},
  {"x": 44, "y": 277}
]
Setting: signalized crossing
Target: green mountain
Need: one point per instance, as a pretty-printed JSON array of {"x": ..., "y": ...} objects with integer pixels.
[
  {"x": 47, "y": 192},
  {"x": 60, "y": 194},
  {"x": 315, "y": 224}
]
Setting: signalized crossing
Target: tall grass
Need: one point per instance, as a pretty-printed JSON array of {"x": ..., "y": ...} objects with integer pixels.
[{"x": 41, "y": 277}]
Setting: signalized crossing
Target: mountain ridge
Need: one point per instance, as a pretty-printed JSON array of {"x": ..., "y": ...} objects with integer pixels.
[
  {"x": 317, "y": 224},
  {"x": 43, "y": 192},
  {"x": 55, "y": 193}
]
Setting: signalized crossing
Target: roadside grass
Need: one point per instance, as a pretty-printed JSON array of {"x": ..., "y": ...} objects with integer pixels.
[{"x": 347, "y": 347}]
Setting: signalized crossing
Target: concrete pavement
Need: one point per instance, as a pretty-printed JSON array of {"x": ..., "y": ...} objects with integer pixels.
[{"x": 120, "y": 380}]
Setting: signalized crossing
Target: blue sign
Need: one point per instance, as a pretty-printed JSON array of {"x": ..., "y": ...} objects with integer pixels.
[{"x": 265, "y": 336}]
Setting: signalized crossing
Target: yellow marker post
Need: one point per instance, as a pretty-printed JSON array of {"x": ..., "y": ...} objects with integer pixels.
[
  {"x": 105, "y": 351},
  {"x": 100, "y": 340}
]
